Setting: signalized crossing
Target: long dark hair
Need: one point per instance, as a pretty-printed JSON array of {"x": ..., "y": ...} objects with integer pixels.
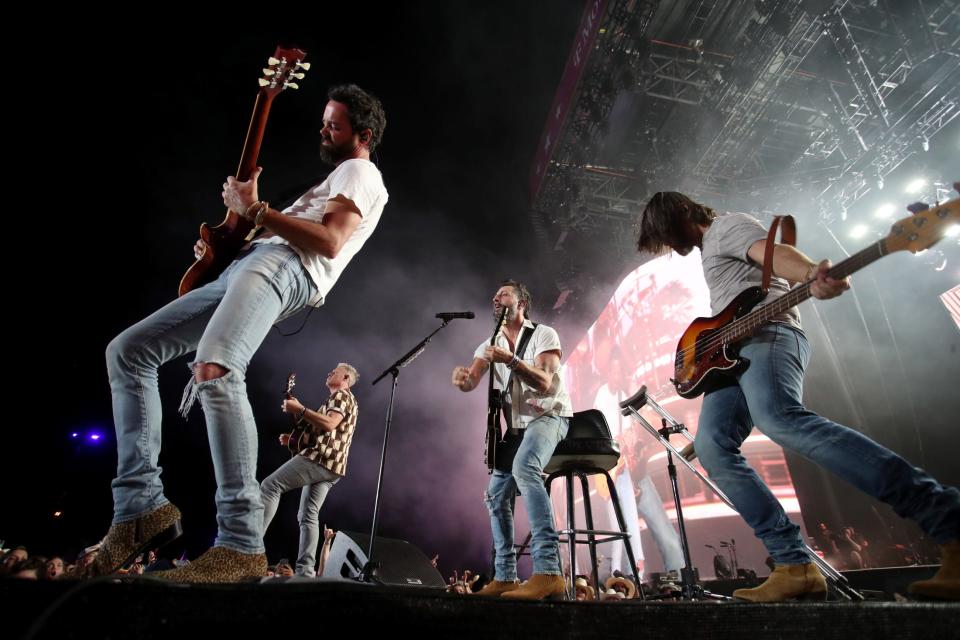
[{"x": 664, "y": 218}]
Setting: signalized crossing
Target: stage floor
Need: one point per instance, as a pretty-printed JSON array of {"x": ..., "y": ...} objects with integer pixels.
[{"x": 151, "y": 609}]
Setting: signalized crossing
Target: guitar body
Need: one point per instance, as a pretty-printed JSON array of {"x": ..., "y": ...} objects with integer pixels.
[
  {"x": 299, "y": 437},
  {"x": 494, "y": 403},
  {"x": 224, "y": 242},
  {"x": 699, "y": 363}
]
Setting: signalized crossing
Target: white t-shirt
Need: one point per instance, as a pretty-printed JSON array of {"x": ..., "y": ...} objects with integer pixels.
[
  {"x": 532, "y": 404},
  {"x": 356, "y": 179}
]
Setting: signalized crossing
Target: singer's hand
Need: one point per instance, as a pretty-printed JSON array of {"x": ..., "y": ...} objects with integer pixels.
[
  {"x": 284, "y": 439},
  {"x": 497, "y": 354},
  {"x": 461, "y": 379}
]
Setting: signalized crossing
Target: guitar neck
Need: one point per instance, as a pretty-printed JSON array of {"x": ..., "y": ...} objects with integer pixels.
[
  {"x": 254, "y": 138},
  {"x": 749, "y": 323}
]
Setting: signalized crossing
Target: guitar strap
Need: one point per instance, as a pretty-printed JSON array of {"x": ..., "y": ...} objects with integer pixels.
[
  {"x": 788, "y": 235},
  {"x": 525, "y": 334}
]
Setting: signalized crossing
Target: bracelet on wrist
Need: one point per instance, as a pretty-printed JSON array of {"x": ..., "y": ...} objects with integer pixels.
[{"x": 264, "y": 208}]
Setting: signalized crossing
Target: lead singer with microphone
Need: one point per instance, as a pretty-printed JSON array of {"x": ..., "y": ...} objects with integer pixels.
[{"x": 526, "y": 368}]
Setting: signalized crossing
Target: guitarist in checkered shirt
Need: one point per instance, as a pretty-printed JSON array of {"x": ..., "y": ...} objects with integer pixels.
[{"x": 319, "y": 461}]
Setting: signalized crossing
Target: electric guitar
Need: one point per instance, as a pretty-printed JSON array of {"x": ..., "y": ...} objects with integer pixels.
[
  {"x": 225, "y": 240},
  {"x": 706, "y": 349},
  {"x": 494, "y": 404},
  {"x": 300, "y": 434}
]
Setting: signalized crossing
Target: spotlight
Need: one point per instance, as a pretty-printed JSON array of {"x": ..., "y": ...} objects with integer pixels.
[
  {"x": 885, "y": 211},
  {"x": 925, "y": 143},
  {"x": 858, "y": 231},
  {"x": 952, "y": 231},
  {"x": 915, "y": 186}
]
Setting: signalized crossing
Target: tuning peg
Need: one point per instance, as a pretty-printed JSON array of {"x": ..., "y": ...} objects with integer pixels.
[
  {"x": 290, "y": 85},
  {"x": 269, "y": 72},
  {"x": 304, "y": 65},
  {"x": 273, "y": 61},
  {"x": 263, "y": 82},
  {"x": 298, "y": 76}
]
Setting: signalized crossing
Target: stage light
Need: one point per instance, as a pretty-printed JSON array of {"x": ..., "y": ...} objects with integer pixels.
[
  {"x": 94, "y": 436},
  {"x": 57, "y": 514},
  {"x": 952, "y": 231},
  {"x": 915, "y": 186},
  {"x": 885, "y": 211},
  {"x": 74, "y": 435},
  {"x": 858, "y": 231}
]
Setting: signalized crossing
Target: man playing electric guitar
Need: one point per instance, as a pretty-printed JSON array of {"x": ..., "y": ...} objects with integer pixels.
[
  {"x": 537, "y": 409},
  {"x": 767, "y": 393},
  {"x": 318, "y": 465},
  {"x": 292, "y": 264}
]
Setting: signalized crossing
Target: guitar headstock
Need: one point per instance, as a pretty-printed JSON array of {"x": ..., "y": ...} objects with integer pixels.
[
  {"x": 291, "y": 383},
  {"x": 924, "y": 228},
  {"x": 283, "y": 69}
]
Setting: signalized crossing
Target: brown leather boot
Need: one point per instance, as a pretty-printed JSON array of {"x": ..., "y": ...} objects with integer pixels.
[
  {"x": 787, "y": 582},
  {"x": 498, "y": 588},
  {"x": 945, "y": 584},
  {"x": 538, "y": 587},
  {"x": 219, "y": 564},
  {"x": 126, "y": 540}
]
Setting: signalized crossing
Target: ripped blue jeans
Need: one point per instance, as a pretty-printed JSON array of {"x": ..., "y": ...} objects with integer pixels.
[
  {"x": 224, "y": 322},
  {"x": 539, "y": 441}
]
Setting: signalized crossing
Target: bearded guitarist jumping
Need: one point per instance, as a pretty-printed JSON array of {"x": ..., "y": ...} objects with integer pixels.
[
  {"x": 762, "y": 384},
  {"x": 293, "y": 263}
]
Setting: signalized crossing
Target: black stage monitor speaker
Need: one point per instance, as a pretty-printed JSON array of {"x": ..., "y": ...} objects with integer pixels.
[{"x": 401, "y": 563}]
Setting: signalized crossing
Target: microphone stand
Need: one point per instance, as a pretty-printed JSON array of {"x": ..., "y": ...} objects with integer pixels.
[{"x": 371, "y": 568}]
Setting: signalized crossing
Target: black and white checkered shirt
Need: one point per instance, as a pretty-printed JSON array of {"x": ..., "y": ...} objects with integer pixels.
[{"x": 331, "y": 448}]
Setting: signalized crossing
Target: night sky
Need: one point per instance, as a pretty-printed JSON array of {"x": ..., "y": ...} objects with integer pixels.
[{"x": 119, "y": 157}]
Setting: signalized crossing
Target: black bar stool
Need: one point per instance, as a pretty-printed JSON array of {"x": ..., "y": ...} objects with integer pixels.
[{"x": 589, "y": 449}]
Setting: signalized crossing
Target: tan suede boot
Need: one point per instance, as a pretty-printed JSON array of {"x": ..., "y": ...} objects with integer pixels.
[
  {"x": 538, "y": 587},
  {"x": 126, "y": 540},
  {"x": 498, "y": 588},
  {"x": 219, "y": 564},
  {"x": 787, "y": 582},
  {"x": 945, "y": 584}
]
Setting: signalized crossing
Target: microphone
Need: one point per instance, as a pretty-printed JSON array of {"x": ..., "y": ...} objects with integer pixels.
[{"x": 450, "y": 315}]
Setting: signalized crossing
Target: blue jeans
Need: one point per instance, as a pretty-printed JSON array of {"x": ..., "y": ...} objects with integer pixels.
[
  {"x": 224, "y": 322},
  {"x": 768, "y": 394},
  {"x": 539, "y": 441},
  {"x": 316, "y": 481}
]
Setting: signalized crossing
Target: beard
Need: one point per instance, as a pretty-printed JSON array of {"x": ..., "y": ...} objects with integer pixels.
[
  {"x": 335, "y": 154},
  {"x": 510, "y": 313}
]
